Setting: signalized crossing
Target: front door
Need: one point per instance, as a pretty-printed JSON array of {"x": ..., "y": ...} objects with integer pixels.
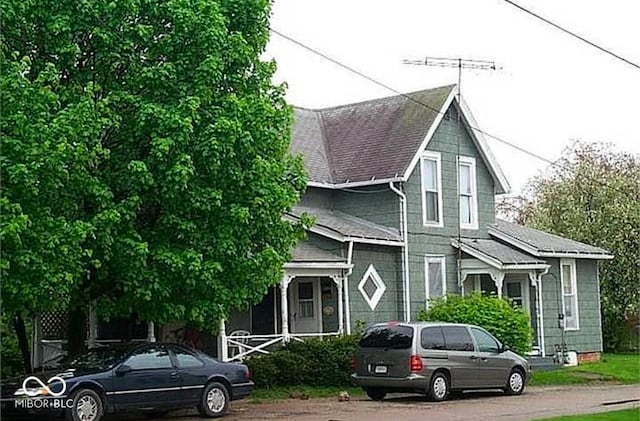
[{"x": 305, "y": 306}]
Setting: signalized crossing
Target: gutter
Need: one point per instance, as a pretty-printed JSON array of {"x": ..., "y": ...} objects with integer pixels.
[{"x": 405, "y": 250}]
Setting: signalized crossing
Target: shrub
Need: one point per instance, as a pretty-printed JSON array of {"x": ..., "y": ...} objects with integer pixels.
[
  {"x": 315, "y": 362},
  {"x": 507, "y": 323}
]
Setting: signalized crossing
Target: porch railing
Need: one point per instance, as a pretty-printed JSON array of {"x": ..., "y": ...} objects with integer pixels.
[{"x": 239, "y": 347}]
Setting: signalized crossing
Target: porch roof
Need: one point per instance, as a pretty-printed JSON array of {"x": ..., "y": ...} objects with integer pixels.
[
  {"x": 498, "y": 254},
  {"x": 343, "y": 227},
  {"x": 307, "y": 252}
]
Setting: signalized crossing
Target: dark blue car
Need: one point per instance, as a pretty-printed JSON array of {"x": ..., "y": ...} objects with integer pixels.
[{"x": 154, "y": 378}]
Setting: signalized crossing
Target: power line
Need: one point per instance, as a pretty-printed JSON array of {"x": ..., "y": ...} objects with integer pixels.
[{"x": 573, "y": 34}]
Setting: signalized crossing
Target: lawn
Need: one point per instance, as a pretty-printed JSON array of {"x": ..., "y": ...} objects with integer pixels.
[
  {"x": 620, "y": 368},
  {"x": 624, "y": 415}
]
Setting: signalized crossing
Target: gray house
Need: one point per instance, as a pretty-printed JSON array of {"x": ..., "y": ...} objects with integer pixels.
[{"x": 403, "y": 193}]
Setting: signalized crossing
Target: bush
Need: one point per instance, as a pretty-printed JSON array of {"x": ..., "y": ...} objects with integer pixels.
[
  {"x": 315, "y": 362},
  {"x": 510, "y": 325}
]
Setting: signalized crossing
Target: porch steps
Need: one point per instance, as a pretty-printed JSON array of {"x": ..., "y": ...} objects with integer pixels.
[{"x": 543, "y": 363}]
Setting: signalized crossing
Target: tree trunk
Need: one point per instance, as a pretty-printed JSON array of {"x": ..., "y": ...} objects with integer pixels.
[
  {"x": 23, "y": 342},
  {"x": 77, "y": 330}
]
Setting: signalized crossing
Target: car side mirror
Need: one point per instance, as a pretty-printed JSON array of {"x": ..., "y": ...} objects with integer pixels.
[
  {"x": 504, "y": 348},
  {"x": 123, "y": 369}
]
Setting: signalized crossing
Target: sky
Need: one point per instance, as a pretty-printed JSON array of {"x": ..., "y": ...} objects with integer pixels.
[{"x": 550, "y": 89}]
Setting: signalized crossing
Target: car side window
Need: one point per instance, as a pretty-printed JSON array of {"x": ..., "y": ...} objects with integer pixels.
[
  {"x": 149, "y": 358},
  {"x": 186, "y": 359},
  {"x": 432, "y": 338},
  {"x": 457, "y": 338},
  {"x": 486, "y": 342}
]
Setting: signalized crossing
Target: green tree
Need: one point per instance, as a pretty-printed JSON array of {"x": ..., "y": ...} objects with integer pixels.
[
  {"x": 174, "y": 206},
  {"x": 593, "y": 195}
]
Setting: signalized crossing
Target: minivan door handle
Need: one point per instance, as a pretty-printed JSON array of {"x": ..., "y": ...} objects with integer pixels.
[{"x": 473, "y": 357}]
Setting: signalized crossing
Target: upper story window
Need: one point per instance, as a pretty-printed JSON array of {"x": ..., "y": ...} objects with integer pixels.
[
  {"x": 431, "y": 189},
  {"x": 569, "y": 294},
  {"x": 467, "y": 192}
]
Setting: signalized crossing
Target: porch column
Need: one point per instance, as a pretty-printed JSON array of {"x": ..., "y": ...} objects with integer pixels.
[
  {"x": 223, "y": 350},
  {"x": 151, "y": 336},
  {"x": 93, "y": 325},
  {"x": 536, "y": 281},
  {"x": 347, "y": 311},
  {"x": 284, "y": 306},
  {"x": 498, "y": 278},
  {"x": 338, "y": 280}
]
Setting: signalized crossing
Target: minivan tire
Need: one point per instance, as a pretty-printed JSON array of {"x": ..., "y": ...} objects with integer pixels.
[
  {"x": 376, "y": 394},
  {"x": 515, "y": 382},
  {"x": 438, "y": 387}
]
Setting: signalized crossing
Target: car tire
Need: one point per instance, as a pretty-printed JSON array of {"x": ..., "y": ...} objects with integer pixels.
[
  {"x": 376, "y": 394},
  {"x": 214, "y": 402},
  {"x": 87, "y": 406},
  {"x": 515, "y": 382},
  {"x": 438, "y": 387}
]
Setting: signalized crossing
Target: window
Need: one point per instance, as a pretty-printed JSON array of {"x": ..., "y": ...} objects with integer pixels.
[
  {"x": 569, "y": 294},
  {"x": 467, "y": 192},
  {"x": 387, "y": 336},
  {"x": 186, "y": 359},
  {"x": 432, "y": 338},
  {"x": 435, "y": 280},
  {"x": 431, "y": 189},
  {"x": 514, "y": 292},
  {"x": 371, "y": 287},
  {"x": 486, "y": 342},
  {"x": 147, "y": 358},
  {"x": 305, "y": 300},
  {"x": 457, "y": 338}
]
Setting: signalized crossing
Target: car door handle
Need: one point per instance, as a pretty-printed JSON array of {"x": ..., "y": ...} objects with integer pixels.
[
  {"x": 174, "y": 376},
  {"x": 484, "y": 359},
  {"x": 473, "y": 357}
]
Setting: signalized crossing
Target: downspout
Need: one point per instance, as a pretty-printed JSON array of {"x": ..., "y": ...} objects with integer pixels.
[
  {"x": 405, "y": 250},
  {"x": 347, "y": 309}
]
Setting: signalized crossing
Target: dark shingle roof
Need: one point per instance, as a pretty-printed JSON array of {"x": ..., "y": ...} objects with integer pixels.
[
  {"x": 369, "y": 140},
  {"x": 543, "y": 243},
  {"x": 503, "y": 253},
  {"x": 348, "y": 226},
  {"x": 307, "y": 252}
]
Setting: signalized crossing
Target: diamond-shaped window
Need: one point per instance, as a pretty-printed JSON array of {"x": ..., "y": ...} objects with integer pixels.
[{"x": 371, "y": 287}]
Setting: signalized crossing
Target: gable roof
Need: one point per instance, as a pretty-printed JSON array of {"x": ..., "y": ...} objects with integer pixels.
[
  {"x": 343, "y": 227},
  {"x": 497, "y": 254},
  {"x": 543, "y": 244},
  {"x": 379, "y": 140}
]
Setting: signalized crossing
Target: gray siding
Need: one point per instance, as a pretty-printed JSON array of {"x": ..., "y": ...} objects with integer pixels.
[
  {"x": 589, "y": 337},
  {"x": 437, "y": 240}
]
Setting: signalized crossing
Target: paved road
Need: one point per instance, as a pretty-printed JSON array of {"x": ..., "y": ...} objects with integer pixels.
[{"x": 536, "y": 403}]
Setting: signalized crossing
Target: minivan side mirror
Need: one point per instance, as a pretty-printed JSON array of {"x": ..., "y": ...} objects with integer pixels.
[{"x": 123, "y": 369}]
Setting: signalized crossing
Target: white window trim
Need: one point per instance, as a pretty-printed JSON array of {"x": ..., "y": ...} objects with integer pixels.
[
  {"x": 471, "y": 162},
  {"x": 429, "y": 258},
  {"x": 432, "y": 156},
  {"x": 574, "y": 288},
  {"x": 377, "y": 280}
]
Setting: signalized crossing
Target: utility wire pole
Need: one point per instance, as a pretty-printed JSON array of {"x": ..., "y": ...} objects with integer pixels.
[{"x": 460, "y": 64}]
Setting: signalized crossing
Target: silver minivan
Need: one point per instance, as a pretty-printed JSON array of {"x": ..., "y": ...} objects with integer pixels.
[{"x": 435, "y": 359}]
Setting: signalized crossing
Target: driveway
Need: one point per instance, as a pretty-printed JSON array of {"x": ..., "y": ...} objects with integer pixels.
[{"x": 536, "y": 403}]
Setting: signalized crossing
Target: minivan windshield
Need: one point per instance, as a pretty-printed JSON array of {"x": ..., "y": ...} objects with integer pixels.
[{"x": 387, "y": 336}]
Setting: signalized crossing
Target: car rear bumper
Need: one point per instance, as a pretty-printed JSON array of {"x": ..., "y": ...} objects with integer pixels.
[
  {"x": 242, "y": 390},
  {"x": 412, "y": 381}
]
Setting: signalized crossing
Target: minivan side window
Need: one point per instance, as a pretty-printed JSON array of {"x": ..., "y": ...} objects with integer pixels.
[
  {"x": 486, "y": 342},
  {"x": 457, "y": 338},
  {"x": 432, "y": 338},
  {"x": 387, "y": 336}
]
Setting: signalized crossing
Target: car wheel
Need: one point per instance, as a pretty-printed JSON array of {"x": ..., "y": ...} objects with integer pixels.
[
  {"x": 215, "y": 400},
  {"x": 86, "y": 406},
  {"x": 515, "y": 383},
  {"x": 438, "y": 387},
  {"x": 376, "y": 394}
]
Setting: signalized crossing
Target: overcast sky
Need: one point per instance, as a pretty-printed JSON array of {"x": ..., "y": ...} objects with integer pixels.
[{"x": 551, "y": 90}]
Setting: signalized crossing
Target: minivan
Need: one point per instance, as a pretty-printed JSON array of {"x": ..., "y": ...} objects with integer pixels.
[{"x": 435, "y": 359}]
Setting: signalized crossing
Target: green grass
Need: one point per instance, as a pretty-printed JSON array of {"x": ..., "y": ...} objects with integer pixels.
[
  {"x": 624, "y": 415},
  {"x": 619, "y": 368},
  {"x": 300, "y": 392}
]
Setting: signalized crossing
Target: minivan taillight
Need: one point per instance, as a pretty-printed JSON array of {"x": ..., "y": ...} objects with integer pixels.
[
  {"x": 354, "y": 364},
  {"x": 415, "y": 363}
]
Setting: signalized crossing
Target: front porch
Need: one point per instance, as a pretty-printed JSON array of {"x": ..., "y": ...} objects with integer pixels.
[{"x": 312, "y": 300}]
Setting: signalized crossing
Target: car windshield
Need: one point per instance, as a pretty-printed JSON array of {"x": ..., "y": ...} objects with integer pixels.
[
  {"x": 96, "y": 359},
  {"x": 396, "y": 337}
]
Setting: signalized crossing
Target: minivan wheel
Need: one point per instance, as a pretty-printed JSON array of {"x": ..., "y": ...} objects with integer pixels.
[
  {"x": 376, "y": 394},
  {"x": 439, "y": 387},
  {"x": 515, "y": 383}
]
